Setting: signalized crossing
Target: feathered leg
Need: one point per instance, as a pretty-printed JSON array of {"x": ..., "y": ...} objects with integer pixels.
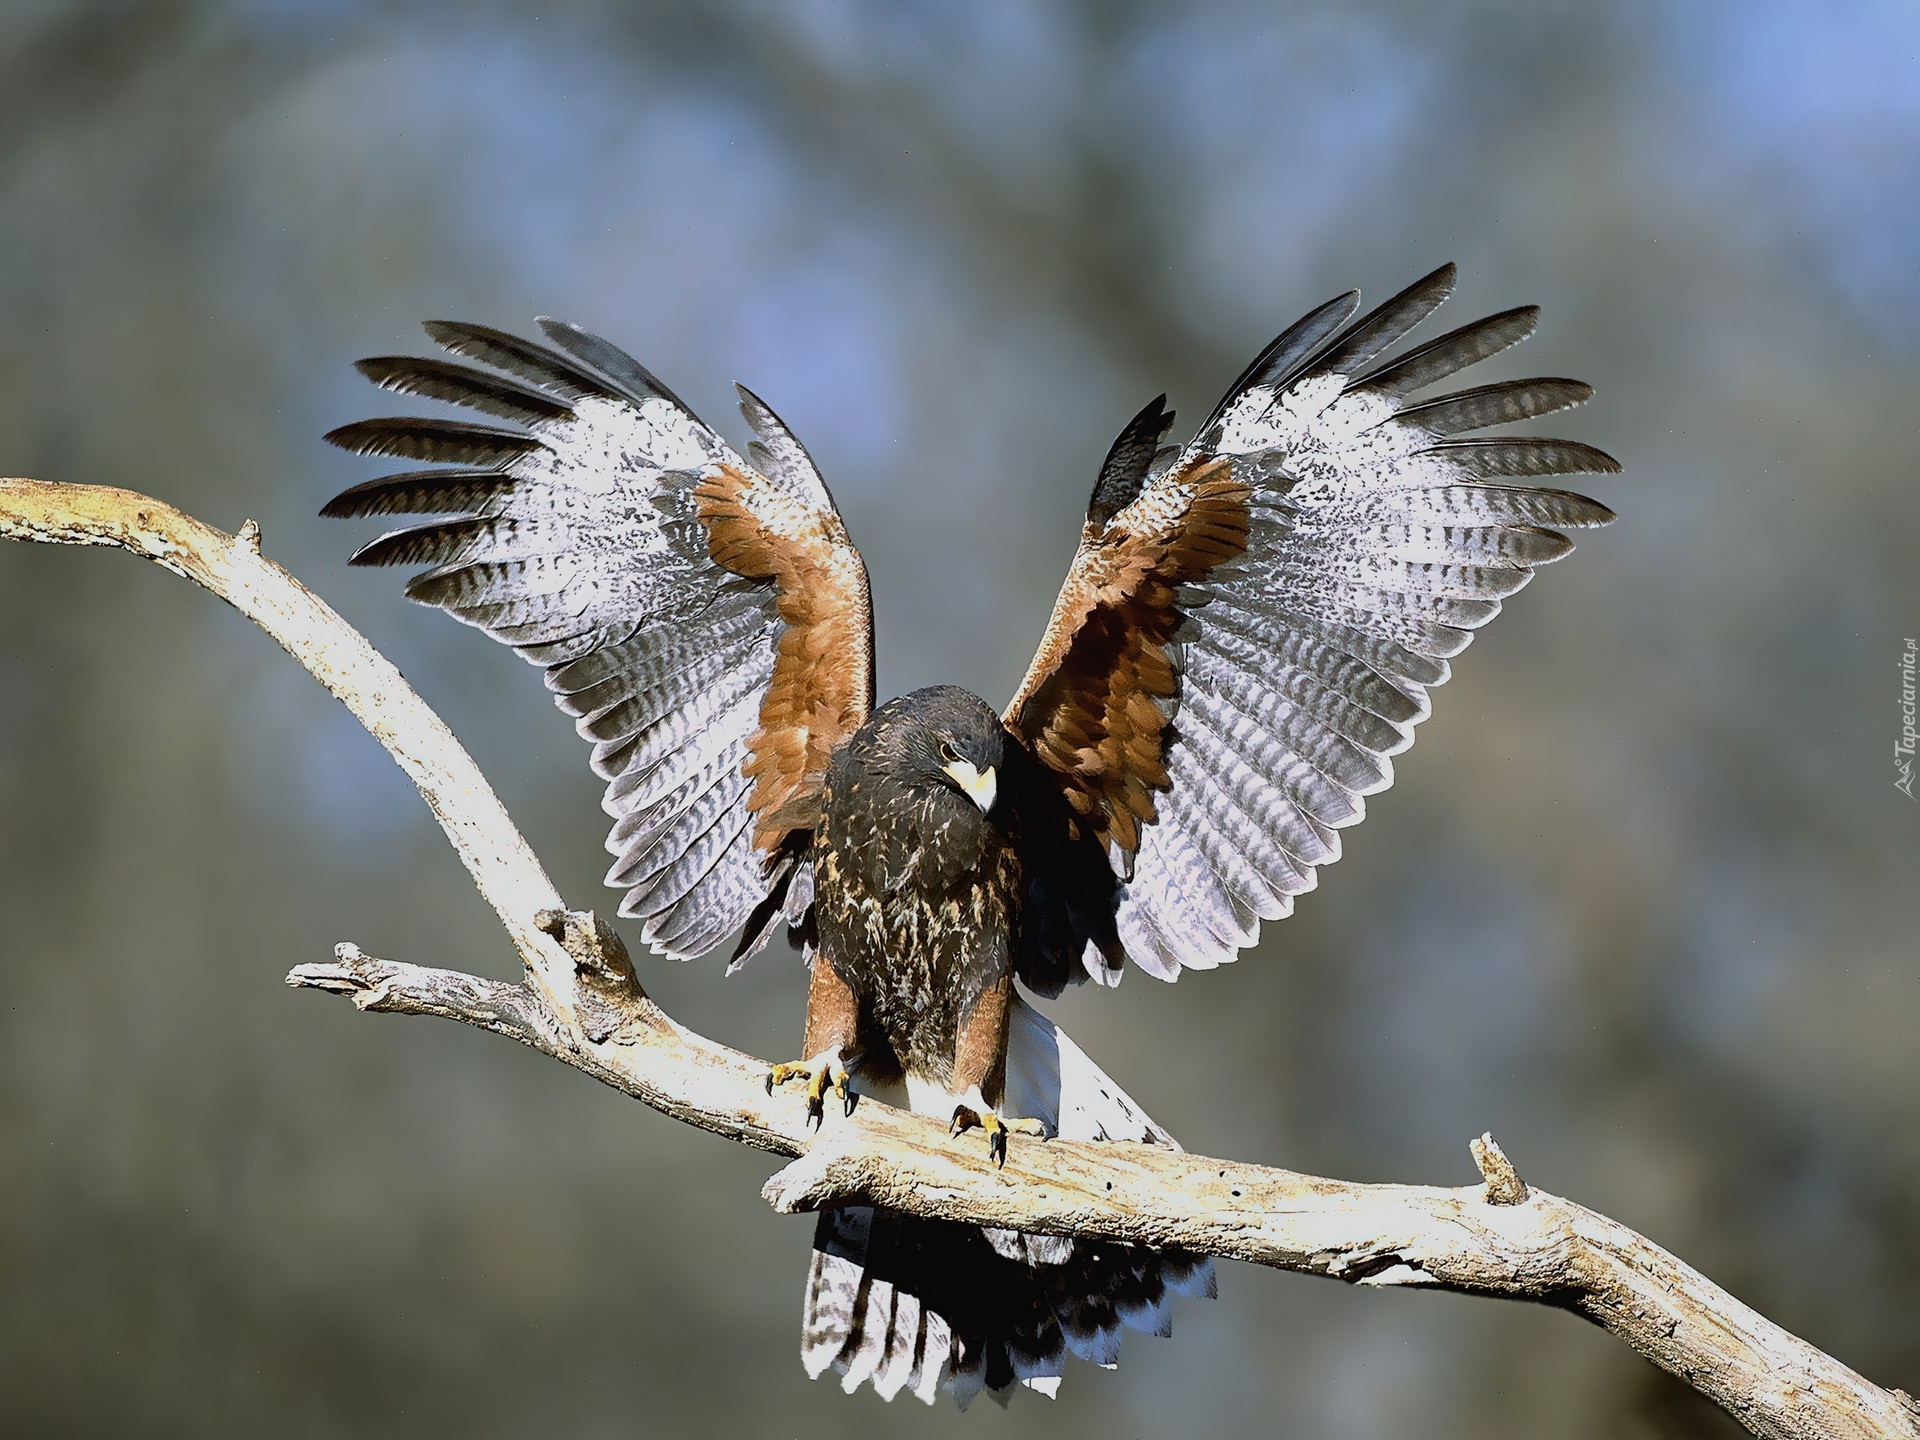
[
  {"x": 980, "y": 1069},
  {"x": 831, "y": 1043}
]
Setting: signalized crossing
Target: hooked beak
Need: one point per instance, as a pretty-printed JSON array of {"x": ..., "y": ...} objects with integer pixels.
[{"x": 980, "y": 785}]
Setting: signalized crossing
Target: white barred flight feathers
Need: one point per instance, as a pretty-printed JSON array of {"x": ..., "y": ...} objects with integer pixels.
[{"x": 1247, "y": 634}]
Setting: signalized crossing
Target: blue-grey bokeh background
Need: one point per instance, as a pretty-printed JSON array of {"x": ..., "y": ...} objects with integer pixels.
[{"x": 1641, "y": 902}]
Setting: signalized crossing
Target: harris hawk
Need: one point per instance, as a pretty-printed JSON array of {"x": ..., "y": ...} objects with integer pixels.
[{"x": 1247, "y": 634}]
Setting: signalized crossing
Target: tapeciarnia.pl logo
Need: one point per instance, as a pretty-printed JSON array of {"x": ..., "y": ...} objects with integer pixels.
[{"x": 1903, "y": 748}]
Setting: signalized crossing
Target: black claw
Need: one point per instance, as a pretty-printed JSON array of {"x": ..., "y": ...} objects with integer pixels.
[
  {"x": 997, "y": 1148},
  {"x": 816, "y": 1112},
  {"x": 769, "y": 1082},
  {"x": 848, "y": 1102}
]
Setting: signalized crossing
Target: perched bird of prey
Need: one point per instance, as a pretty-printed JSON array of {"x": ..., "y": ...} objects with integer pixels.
[{"x": 1247, "y": 633}]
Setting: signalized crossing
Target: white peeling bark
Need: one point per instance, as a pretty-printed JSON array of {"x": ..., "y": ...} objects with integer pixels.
[{"x": 582, "y": 1004}]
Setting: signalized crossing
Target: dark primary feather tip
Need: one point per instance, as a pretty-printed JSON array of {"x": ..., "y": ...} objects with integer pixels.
[
  {"x": 1289, "y": 351},
  {"x": 1503, "y": 403},
  {"x": 768, "y": 428},
  {"x": 543, "y": 367},
  {"x": 1124, "y": 470},
  {"x": 609, "y": 359},
  {"x": 433, "y": 544},
  {"x": 419, "y": 492},
  {"x": 1521, "y": 455},
  {"x": 1383, "y": 327},
  {"x": 463, "y": 337},
  {"x": 1586, "y": 511},
  {"x": 461, "y": 385},
  {"x": 443, "y": 441},
  {"x": 1454, "y": 351},
  {"x": 750, "y": 400}
]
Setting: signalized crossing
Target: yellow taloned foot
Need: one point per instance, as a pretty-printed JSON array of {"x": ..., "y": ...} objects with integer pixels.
[
  {"x": 822, "y": 1074},
  {"x": 965, "y": 1117}
]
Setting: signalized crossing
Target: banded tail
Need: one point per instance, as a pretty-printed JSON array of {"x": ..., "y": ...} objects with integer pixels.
[{"x": 918, "y": 1305}]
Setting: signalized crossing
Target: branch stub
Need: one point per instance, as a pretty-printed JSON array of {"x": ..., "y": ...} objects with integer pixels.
[{"x": 1504, "y": 1185}]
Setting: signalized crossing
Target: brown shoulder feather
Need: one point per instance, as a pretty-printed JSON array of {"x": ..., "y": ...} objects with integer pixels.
[
  {"x": 1095, "y": 700},
  {"x": 822, "y": 686}
]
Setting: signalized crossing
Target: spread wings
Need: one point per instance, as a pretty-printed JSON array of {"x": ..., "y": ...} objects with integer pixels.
[
  {"x": 1246, "y": 636},
  {"x": 1251, "y": 624},
  {"x": 704, "y": 619}
]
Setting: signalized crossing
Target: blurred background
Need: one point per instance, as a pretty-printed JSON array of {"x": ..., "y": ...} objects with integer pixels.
[{"x": 1635, "y": 904}]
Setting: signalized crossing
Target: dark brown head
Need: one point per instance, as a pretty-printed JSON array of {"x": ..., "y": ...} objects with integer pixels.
[{"x": 940, "y": 737}]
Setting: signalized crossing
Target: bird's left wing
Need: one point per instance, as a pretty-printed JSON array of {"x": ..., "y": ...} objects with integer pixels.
[
  {"x": 1251, "y": 625},
  {"x": 704, "y": 619}
]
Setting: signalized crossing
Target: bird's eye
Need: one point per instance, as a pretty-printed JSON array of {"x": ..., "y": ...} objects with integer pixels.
[{"x": 947, "y": 752}]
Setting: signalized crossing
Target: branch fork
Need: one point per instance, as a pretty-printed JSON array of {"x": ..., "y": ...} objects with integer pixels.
[{"x": 581, "y": 1002}]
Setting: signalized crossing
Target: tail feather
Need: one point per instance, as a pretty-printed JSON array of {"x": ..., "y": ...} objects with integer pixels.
[
  {"x": 909, "y": 1304},
  {"x": 905, "y": 1345},
  {"x": 1050, "y": 1078},
  {"x": 966, "y": 1379},
  {"x": 866, "y": 1352},
  {"x": 833, "y": 1295},
  {"x": 1091, "y": 1330},
  {"x": 1189, "y": 1275}
]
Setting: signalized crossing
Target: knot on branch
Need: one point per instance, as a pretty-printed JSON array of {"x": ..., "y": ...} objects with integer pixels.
[
  {"x": 608, "y": 997},
  {"x": 1504, "y": 1185},
  {"x": 599, "y": 954},
  {"x": 248, "y": 536}
]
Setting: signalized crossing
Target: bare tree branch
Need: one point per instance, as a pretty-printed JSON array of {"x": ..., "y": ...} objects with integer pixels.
[{"x": 581, "y": 1003}]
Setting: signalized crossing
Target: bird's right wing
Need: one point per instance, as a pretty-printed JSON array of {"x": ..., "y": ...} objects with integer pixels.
[
  {"x": 1252, "y": 625},
  {"x": 704, "y": 619}
]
